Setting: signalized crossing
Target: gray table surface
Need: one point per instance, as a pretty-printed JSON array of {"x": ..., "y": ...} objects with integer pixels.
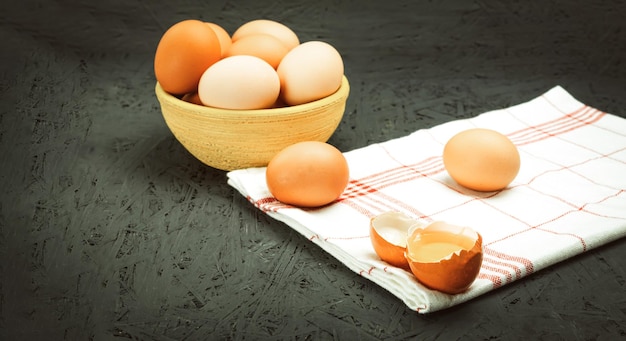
[{"x": 111, "y": 230}]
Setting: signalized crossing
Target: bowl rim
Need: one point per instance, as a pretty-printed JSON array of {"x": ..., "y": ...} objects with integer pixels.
[{"x": 341, "y": 92}]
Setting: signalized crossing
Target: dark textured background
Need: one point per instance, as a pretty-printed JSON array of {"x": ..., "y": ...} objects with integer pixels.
[{"x": 111, "y": 230}]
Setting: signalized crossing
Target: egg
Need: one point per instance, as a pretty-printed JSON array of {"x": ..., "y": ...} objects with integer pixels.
[
  {"x": 183, "y": 53},
  {"x": 192, "y": 97},
  {"x": 264, "y": 26},
  {"x": 444, "y": 257},
  {"x": 310, "y": 71},
  {"x": 239, "y": 82},
  {"x": 264, "y": 46},
  {"x": 389, "y": 234},
  {"x": 222, "y": 36},
  {"x": 481, "y": 159},
  {"x": 307, "y": 174}
]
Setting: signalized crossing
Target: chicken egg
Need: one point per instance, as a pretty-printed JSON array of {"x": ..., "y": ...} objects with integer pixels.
[
  {"x": 222, "y": 36},
  {"x": 481, "y": 159},
  {"x": 184, "y": 52},
  {"x": 239, "y": 82},
  {"x": 193, "y": 98},
  {"x": 310, "y": 71},
  {"x": 264, "y": 26},
  {"x": 307, "y": 174},
  {"x": 264, "y": 46}
]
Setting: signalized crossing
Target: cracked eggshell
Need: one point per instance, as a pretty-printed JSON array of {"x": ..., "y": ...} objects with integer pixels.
[
  {"x": 388, "y": 234},
  {"x": 445, "y": 257}
]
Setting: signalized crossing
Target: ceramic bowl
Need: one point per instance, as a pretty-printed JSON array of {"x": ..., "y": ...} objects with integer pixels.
[{"x": 235, "y": 139}]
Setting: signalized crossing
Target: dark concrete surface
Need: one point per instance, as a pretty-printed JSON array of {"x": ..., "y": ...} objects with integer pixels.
[{"x": 110, "y": 230}]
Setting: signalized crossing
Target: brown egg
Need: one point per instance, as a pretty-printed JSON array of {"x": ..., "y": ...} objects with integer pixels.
[
  {"x": 264, "y": 26},
  {"x": 192, "y": 97},
  {"x": 481, "y": 159},
  {"x": 263, "y": 46},
  {"x": 307, "y": 174},
  {"x": 222, "y": 36},
  {"x": 389, "y": 234},
  {"x": 184, "y": 52},
  {"x": 445, "y": 257}
]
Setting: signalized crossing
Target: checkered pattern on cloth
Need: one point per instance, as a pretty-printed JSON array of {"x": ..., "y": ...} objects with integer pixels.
[{"x": 569, "y": 196}]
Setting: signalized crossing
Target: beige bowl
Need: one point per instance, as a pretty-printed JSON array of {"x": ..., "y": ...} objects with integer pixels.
[{"x": 234, "y": 139}]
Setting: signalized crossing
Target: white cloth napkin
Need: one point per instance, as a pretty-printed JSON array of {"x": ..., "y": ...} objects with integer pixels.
[{"x": 569, "y": 196}]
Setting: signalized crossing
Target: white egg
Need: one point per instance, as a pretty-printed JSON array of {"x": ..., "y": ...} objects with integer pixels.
[
  {"x": 310, "y": 71},
  {"x": 239, "y": 82}
]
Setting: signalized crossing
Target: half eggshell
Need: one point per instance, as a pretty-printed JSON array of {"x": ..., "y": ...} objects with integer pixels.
[
  {"x": 444, "y": 257},
  {"x": 388, "y": 234}
]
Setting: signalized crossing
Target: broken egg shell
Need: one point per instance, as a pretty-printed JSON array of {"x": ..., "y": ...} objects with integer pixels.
[
  {"x": 388, "y": 234},
  {"x": 445, "y": 257}
]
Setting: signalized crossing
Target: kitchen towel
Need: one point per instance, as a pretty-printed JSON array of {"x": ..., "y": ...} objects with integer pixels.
[{"x": 568, "y": 197}]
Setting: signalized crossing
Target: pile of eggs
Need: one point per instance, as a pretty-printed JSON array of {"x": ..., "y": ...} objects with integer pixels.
[{"x": 263, "y": 65}]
